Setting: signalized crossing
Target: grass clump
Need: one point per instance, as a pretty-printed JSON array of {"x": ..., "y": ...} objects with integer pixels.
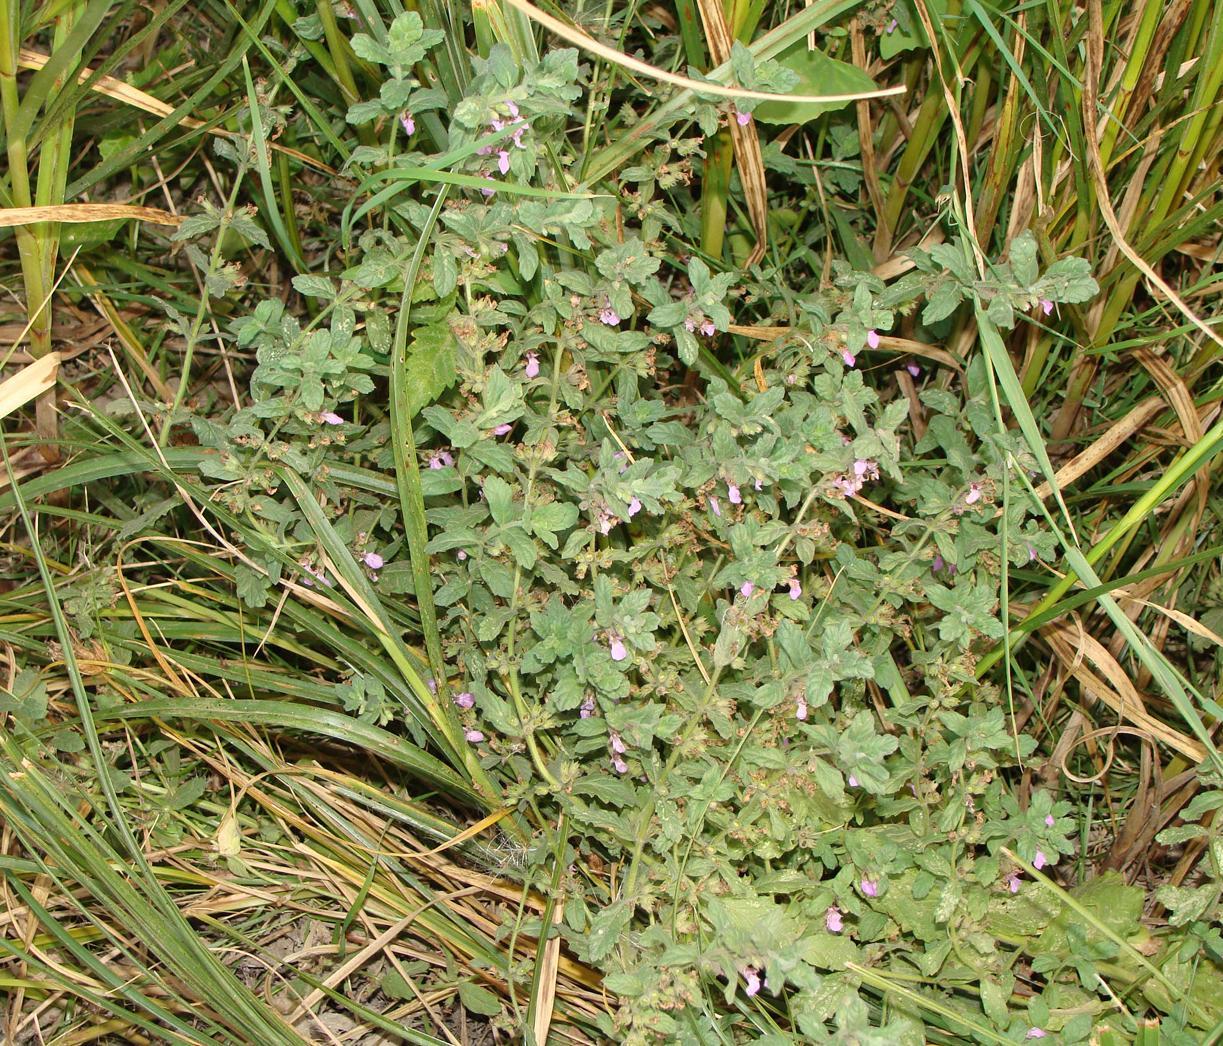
[{"x": 556, "y": 543}]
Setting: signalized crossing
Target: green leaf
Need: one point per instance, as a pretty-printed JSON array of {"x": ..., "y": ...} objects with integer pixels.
[
  {"x": 478, "y": 1000},
  {"x": 817, "y": 74}
]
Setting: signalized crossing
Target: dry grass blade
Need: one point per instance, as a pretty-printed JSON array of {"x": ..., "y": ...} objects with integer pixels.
[
  {"x": 589, "y": 43},
  {"x": 28, "y": 383},
  {"x": 1091, "y": 84},
  {"x": 1177, "y": 392},
  {"x": 82, "y": 213},
  {"x": 1072, "y": 647}
]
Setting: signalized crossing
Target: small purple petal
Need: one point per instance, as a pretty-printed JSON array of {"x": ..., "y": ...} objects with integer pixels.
[
  {"x": 690, "y": 324},
  {"x": 833, "y": 921},
  {"x": 743, "y": 119},
  {"x": 872, "y": 339},
  {"x": 1049, "y": 821},
  {"x": 870, "y": 887},
  {"x": 634, "y": 506},
  {"x": 617, "y": 744},
  {"x": 1012, "y": 882},
  {"x": 1036, "y": 1033},
  {"x": 532, "y": 367},
  {"x": 605, "y": 523},
  {"x": 796, "y": 588},
  {"x": 759, "y": 485},
  {"x": 1046, "y": 306},
  {"x": 746, "y": 589},
  {"x": 501, "y": 430},
  {"x": 372, "y": 560},
  {"x": 913, "y": 369},
  {"x": 853, "y": 781},
  {"x": 610, "y": 317},
  {"x": 512, "y": 106},
  {"x": 465, "y": 700},
  {"x": 708, "y": 329},
  {"x": 800, "y": 711},
  {"x": 620, "y": 765},
  {"x": 937, "y": 564},
  {"x": 588, "y": 706},
  {"x": 714, "y": 507},
  {"x": 503, "y": 161},
  {"x": 1040, "y": 860},
  {"x": 973, "y": 495},
  {"x": 332, "y": 418},
  {"x": 474, "y": 736},
  {"x": 733, "y": 495},
  {"x": 751, "y": 979},
  {"x": 1031, "y": 553},
  {"x": 849, "y": 358},
  {"x": 460, "y": 555},
  {"x": 409, "y": 125},
  {"x": 618, "y": 650}
]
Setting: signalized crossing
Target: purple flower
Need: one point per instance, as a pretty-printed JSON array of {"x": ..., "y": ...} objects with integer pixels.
[
  {"x": 474, "y": 736},
  {"x": 849, "y": 358},
  {"x": 486, "y": 191},
  {"x": 853, "y": 781},
  {"x": 1036, "y": 1033},
  {"x": 460, "y": 555},
  {"x": 618, "y": 650},
  {"x": 517, "y": 135},
  {"x": 610, "y": 317},
  {"x": 743, "y": 119},
  {"x": 800, "y": 711},
  {"x": 634, "y": 506},
  {"x": 714, "y": 507},
  {"x": 501, "y": 430},
  {"x": 617, "y": 744},
  {"x": 870, "y": 887},
  {"x": 465, "y": 700},
  {"x": 751, "y": 978},
  {"x": 913, "y": 369},
  {"x": 440, "y": 459},
  {"x": 512, "y": 106},
  {"x": 746, "y": 589},
  {"x": 1046, "y": 306},
  {"x": 973, "y": 495},
  {"x": 872, "y": 338},
  {"x": 832, "y": 920},
  {"x": 588, "y": 706},
  {"x": 620, "y": 765},
  {"x": 332, "y": 418},
  {"x": 759, "y": 485},
  {"x": 937, "y": 563},
  {"x": 733, "y": 495},
  {"x": 409, "y": 125},
  {"x": 1012, "y": 882},
  {"x": 532, "y": 366},
  {"x": 690, "y": 325},
  {"x": 1031, "y": 553},
  {"x": 372, "y": 560},
  {"x": 1040, "y": 860},
  {"x": 708, "y": 329},
  {"x": 1049, "y": 822},
  {"x": 796, "y": 588},
  {"x": 605, "y": 523},
  {"x": 503, "y": 161},
  {"x": 890, "y": 28}
]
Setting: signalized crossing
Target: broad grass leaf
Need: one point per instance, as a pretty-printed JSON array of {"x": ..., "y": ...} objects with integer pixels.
[{"x": 817, "y": 74}]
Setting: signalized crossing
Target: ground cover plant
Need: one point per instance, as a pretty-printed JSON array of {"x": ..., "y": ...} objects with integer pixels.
[{"x": 626, "y": 523}]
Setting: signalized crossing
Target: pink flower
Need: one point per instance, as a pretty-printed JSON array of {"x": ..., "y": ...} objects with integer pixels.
[
  {"x": 890, "y": 28},
  {"x": 800, "y": 712},
  {"x": 1049, "y": 821},
  {"x": 746, "y": 589},
  {"x": 832, "y": 920},
  {"x": 1040, "y": 860},
  {"x": 733, "y": 495},
  {"x": 588, "y": 706},
  {"x": 849, "y": 358},
  {"x": 531, "y": 370},
  {"x": 743, "y": 119},
  {"x": 1046, "y": 306},
  {"x": 913, "y": 369},
  {"x": 512, "y": 106},
  {"x": 503, "y": 161},
  {"x": 610, "y": 317},
  {"x": 474, "y": 736},
  {"x": 517, "y": 135},
  {"x": 487, "y": 191},
  {"x": 714, "y": 507},
  {"x": 690, "y": 325},
  {"x": 937, "y": 563},
  {"x": 634, "y": 506},
  {"x": 853, "y": 781},
  {"x": 973, "y": 495},
  {"x": 617, "y": 744},
  {"x": 1012, "y": 882},
  {"x": 865, "y": 469},
  {"x": 618, "y": 650},
  {"x": 796, "y": 588},
  {"x": 872, "y": 339},
  {"x": 409, "y": 125},
  {"x": 870, "y": 887},
  {"x": 1036, "y": 1033},
  {"x": 332, "y": 418},
  {"x": 621, "y": 767},
  {"x": 460, "y": 555},
  {"x": 759, "y": 485},
  {"x": 372, "y": 560},
  {"x": 751, "y": 979},
  {"x": 708, "y": 329},
  {"x": 440, "y": 459},
  {"x": 605, "y": 523},
  {"x": 501, "y": 430},
  {"x": 1031, "y": 553},
  {"x": 465, "y": 700}
]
